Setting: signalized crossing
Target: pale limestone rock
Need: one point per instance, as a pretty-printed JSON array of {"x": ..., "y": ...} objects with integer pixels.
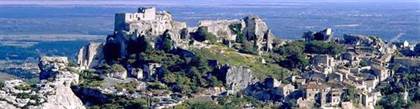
[
  {"x": 54, "y": 93},
  {"x": 237, "y": 78},
  {"x": 221, "y": 28},
  {"x": 90, "y": 55},
  {"x": 137, "y": 73},
  {"x": 257, "y": 30}
]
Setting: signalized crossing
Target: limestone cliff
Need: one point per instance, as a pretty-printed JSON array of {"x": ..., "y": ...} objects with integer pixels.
[
  {"x": 253, "y": 28},
  {"x": 222, "y": 28},
  {"x": 53, "y": 92},
  {"x": 90, "y": 55},
  {"x": 237, "y": 78}
]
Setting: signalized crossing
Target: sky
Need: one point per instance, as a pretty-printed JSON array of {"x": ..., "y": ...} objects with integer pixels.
[{"x": 171, "y": 2}]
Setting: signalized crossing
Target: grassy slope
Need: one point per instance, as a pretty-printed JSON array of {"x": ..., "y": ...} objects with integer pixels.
[{"x": 230, "y": 56}]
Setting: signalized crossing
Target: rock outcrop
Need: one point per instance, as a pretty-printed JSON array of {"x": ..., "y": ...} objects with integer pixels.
[
  {"x": 252, "y": 28},
  {"x": 237, "y": 78},
  {"x": 324, "y": 35},
  {"x": 90, "y": 56},
  {"x": 257, "y": 30},
  {"x": 222, "y": 28},
  {"x": 53, "y": 92},
  {"x": 147, "y": 27},
  {"x": 356, "y": 39}
]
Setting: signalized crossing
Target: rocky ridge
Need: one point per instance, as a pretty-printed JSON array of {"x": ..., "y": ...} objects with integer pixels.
[{"x": 52, "y": 92}]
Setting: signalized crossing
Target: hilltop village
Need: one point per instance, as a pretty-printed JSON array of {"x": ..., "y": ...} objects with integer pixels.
[{"x": 153, "y": 61}]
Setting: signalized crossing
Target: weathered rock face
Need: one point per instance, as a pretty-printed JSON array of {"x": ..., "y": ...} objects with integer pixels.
[
  {"x": 256, "y": 29},
  {"x": 237, "y": 78},
  {"x": 53, "y": 92},
  {"x": 356, "y": 39},
  {"x": 253, "y": 28},
  {"x": 90, "y": 56},
  {"x": 324, "y": 35},
  {"x": 145, "y": 25},
  {"x": 221, "y": 28}
]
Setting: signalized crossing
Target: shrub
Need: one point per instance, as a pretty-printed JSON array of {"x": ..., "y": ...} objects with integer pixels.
[
  {"x": 90, "y": 79},
  {"x": 117, "y": 68},
  {"x": 23, "y": 95},
  {"x": 23, "y": 87},
  {"x": 202, "y": 34},
  {"x": 130, "y": 87},
  {"x": 319, "y": 47},
  {"x": 236, "y": 28},
  {"x": 1, "y": 84},
  {"x": 248, "y": 47},
  {"x": 157, "y": 85}
]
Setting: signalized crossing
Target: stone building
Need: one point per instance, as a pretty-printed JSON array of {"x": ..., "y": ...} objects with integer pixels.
[
  {"x": 143, "y": 13},
  {"x": 323, "y": 59},
  {"x": 316, "y": 92},
  {"x": 381, "y": 72}
]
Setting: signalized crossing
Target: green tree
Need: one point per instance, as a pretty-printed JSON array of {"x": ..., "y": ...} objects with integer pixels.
[
  {"x": 236, "y": 28},
  {"x": 202, "y": 34},
  {"x": 320, "y": 47},
  {"x": 248, "y": 47},
  {"x": 167, "y": 43}
]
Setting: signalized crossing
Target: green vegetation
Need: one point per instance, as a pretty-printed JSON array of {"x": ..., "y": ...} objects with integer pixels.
[
  {"x": 393, "y": 101},
  {"x": 2, "y": 83},
  {"x": 248, "y": 47},
  {"x": 350, "y": 95},
  {"x": 229, "y": 56},
  {"x": 225, "y": 102},
  {"x": 404, "y": 80},
  {"x": 23, "y": 86},
  {"x": 90, "y": 79},
  {"x": 130, "y": 86},
  {"x": 117, "y": 68},
  {"x": 106, "y": 69},
  {"x": 167, "y": 44},
  {"x": 166, "y": 59},
  {"x": 23, "y": 95},
  {"x": 157, "y": 85},
  {"x": 123, "y": 103},
  {"x": 236, "y": 28},
  {"x": 320, "y": 47},
  {"x": 183, "y": 83},
  {"x": 291, "y": 55},
  {"x": 202, "y": 34}
]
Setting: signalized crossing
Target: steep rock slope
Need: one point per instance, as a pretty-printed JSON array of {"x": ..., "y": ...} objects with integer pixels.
[{"x": 53, "y": 92}]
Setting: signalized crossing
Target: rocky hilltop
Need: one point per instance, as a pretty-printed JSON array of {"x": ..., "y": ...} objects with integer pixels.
[
  {"x": 146, "y": 46},
  {"x": 54, "y": 90},
  {"x": 153, "y": 61}
]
